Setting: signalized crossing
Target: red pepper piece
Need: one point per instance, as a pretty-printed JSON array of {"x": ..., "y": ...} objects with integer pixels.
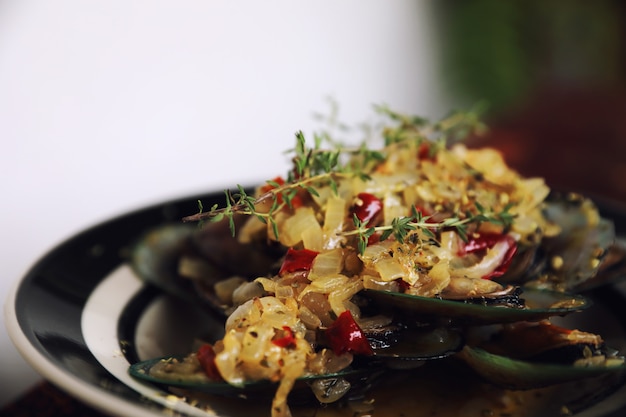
[
  {"x": 426, "y": 213},
  {"x": 345, "y": 335},
  {"x": 297, "y": 260},
  {"x": 206, "y": 356},
  {"x": 483, "y": 241},
  {"x": 367, "y": 208},
  {"x": 424, "y": 152},
  {"x": 404, "y": 286},
  {"x": 506, "y": 262},
  {"x": 375, "y": 238},
  {"x": 486, "y": 241},
  {"x": 286, "y": 341},
  {"x": 269, "y": 187},
  {"x": 295, "y": 202}
]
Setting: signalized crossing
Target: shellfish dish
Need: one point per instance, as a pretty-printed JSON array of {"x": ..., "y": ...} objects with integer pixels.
[{"x": 368, "y": 273}]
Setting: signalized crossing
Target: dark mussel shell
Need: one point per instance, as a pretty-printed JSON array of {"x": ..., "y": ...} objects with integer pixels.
[
  {"x": 188, "y": 261},
  {"x": 584, "y": 255},
  {"x": 612, "y": 269},
  {"x": 359, "y": 379},
  {"x": 532, "y": 355},
  {"x": 413, "y": 344},
  {"x": 536, "y": 305},
  {"x": 519, "y": 374},
  {"x": 155, "y": 256},
  {"x": 574, "y": 257}
]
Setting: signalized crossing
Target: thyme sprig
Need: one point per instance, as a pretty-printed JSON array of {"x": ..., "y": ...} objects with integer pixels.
[
  {"x": 279, "y": 197},
  {"x": 315, "y": 167},
  {"x": 401, "y": 227}
]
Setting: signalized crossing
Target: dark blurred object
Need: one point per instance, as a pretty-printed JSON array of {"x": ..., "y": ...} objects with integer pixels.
[
  {"x": 554, "y": 76},
  {"x": 574, "y": 139}
]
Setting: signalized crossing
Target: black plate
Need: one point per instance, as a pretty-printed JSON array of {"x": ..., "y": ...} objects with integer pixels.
[{"x": 45, "y": 317}]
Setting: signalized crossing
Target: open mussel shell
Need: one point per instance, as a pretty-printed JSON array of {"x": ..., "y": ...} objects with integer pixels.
[
  {"x": 539, "y": 304},
  {"x": 200, "y": 264},
  {"x": 155, "y": 257},
  {"x": 574, "y": 256},
  {"x": 520, "y": 374},
  {"x": 158, "y": 257},
  {"x": 417, "y": 345},
  {"x": 528, "y": 263},
  {"x": 358, "y": 378},
  {"x": 584, "y": 254},
  {"x": 612, "y": 269}
]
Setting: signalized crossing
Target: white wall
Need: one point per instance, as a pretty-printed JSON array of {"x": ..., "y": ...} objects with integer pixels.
[{"x": 108, "y": 106}]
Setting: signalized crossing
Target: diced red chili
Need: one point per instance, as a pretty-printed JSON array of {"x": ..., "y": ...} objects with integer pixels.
[
  {"x": 206, "y": 356},
  {"x": 297, "y": 260},
  {"x": 288, "y": 339},
  {"x": 367, "y": 208},
  {"x": 345, "y": 335}
]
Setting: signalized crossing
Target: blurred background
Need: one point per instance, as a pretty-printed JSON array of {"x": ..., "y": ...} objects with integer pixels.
[
  {"x": 553, "y": 74},
  {"x": 109, "y": 106}
]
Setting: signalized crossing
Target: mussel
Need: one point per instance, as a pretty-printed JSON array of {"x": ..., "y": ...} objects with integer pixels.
[
  {"x": 186, "y": 373},
  {"x": 534, "y": 355},
  {"x": 413, "y": 347},
  {"x": 204, "y": 265},
  {"x": 209, "y": 266},
  {"x": 394, "y": 347},
  {"x": 506, "y": 307},
  {"x": 574, "y": 256}
]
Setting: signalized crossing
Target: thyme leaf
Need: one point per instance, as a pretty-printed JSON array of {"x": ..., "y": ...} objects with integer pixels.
[{"x": 401, "y": 227}]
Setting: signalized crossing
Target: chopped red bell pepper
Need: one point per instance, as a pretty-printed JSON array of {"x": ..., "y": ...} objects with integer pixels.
[
  {"x": 206, "y": 356},
  {"x": 297, "y": 260},
  {"x": 345, "y": 335},
  {"x": 286, "y": 341},
  {"x": 367, "y": 208}
]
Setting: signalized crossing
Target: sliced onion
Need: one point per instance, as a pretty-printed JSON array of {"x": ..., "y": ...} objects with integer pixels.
[
  {"x": 303, "y": 222},
  {"x": 389, "y": 269},
  {"x": 335, "y": 216},
  {"x": 327, "y": 263}
]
